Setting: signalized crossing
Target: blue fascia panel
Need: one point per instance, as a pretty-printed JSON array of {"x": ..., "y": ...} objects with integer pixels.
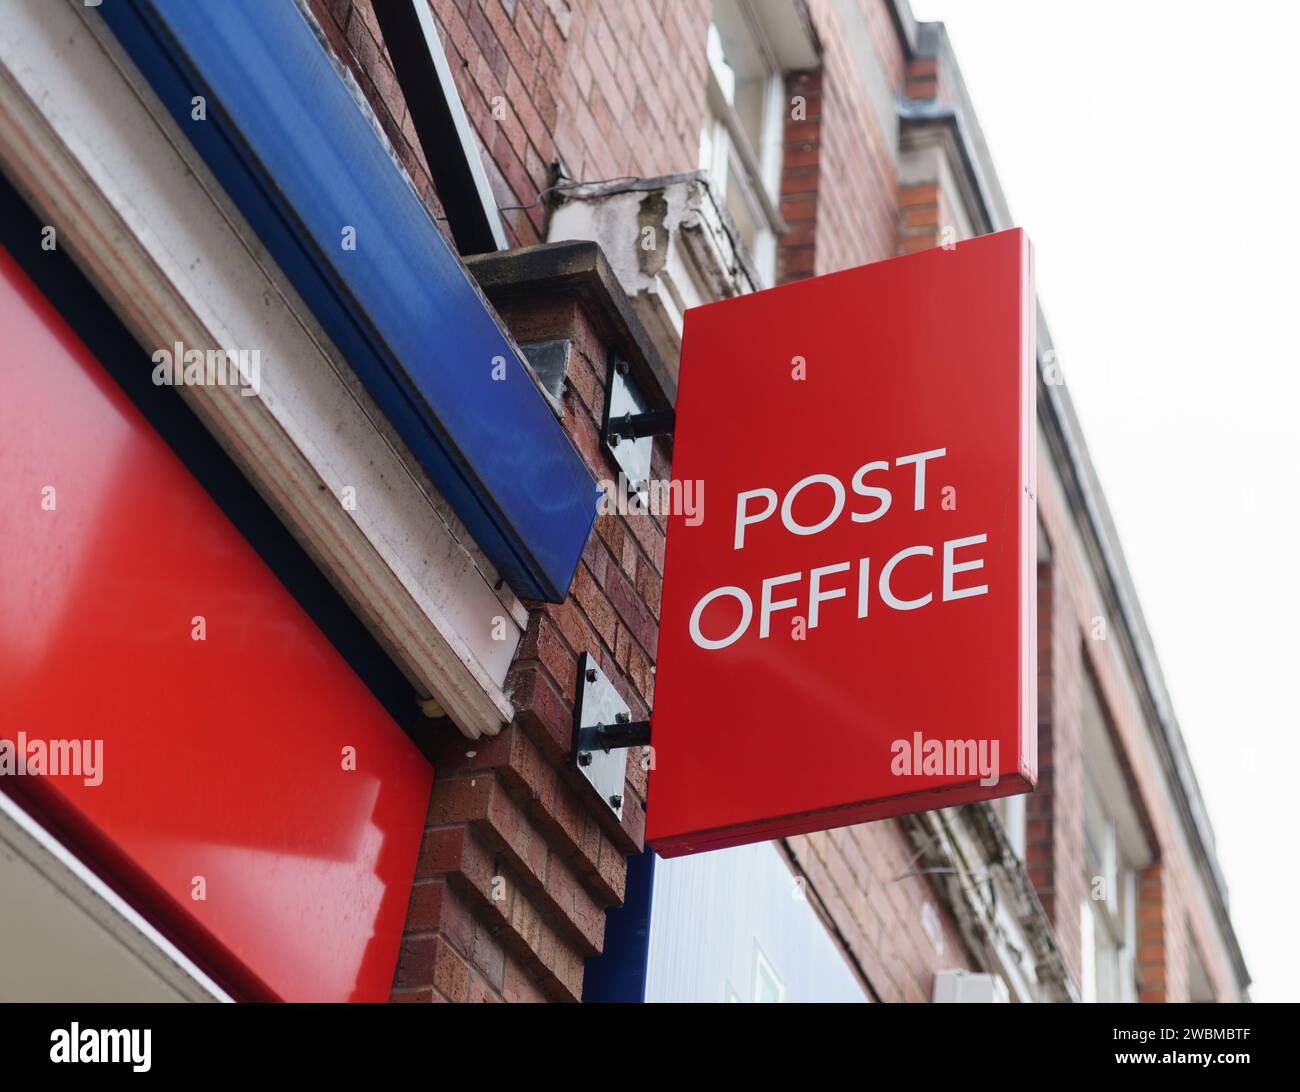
[
  {"x": 619, "y": 973},
  {"x": 294, "y": 151}
]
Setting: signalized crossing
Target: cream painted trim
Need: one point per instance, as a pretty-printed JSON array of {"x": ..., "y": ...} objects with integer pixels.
[
  {"x": 85, "y": 140},
  {"x": 696, "y": 260},
  {"x": 65, "y": 935}
]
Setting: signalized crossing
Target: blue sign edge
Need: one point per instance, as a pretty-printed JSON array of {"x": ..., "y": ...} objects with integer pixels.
[{"x": 293, "y": 149}]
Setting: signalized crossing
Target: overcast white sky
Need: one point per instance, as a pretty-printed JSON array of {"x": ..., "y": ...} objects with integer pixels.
[{"x": 1149, "y": 149}]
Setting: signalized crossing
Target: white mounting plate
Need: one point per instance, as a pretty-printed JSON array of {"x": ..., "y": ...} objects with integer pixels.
[
  {"x": 631, "y": 454},
  {"x": 597, "y": 702}
]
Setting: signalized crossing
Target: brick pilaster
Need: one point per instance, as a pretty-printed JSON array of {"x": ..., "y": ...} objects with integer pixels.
[
  {"x": 922, "y": 81},
  {"x": 1054, "y": 812},
  {"x": 800, "y": 177},
  {"x": 519, "y": 859},
  {"x": 1152, "y": 972},
  {"x": 918, "y": 217}
]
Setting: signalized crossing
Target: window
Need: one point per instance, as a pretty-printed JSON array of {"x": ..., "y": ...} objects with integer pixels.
[
  {"x": 1116, "y": 848},
  {"x": 1199, "y": 987},
  {"x": 767, "y": 987},
  {"x": 741, "y": 145},
  {"x": 736, "y": 925},
  {"x": 1108, "y": 917},
  {"x": 1109, "y": 939},
  {"x": 1011, "y": 811}
]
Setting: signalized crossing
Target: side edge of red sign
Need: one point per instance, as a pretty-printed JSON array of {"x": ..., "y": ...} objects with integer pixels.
[
  {"x": 1028, "y": 305},
  {"x": 848, "y": 628}
]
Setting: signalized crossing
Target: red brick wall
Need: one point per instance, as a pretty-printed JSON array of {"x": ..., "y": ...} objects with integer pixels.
[
  {"x": 801, "y": 172},
  {"x": 1152, "y": 972},
  {"x": 918, "y": 217},
  {"x": 857, "y": 216},
  {"x": 353, "y": 33},
  {"x": 922, "y": 78},
  {"x": 1054, "y": 856},
  {"x": 925, "y": 208},
  {"x": 864, "y": 877},
  {"x": 581, "y": 82}
]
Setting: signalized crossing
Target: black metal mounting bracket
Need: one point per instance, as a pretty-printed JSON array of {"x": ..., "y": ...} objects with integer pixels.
[
  {"x": 630, "y": 425},
  {"x": 602, "y": 729},
  {"x": 634, "y": 426},
  {"x": 624, "y": 732}
]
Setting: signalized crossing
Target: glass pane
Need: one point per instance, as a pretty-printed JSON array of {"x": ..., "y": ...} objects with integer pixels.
[{"x": 740, "y": 206}]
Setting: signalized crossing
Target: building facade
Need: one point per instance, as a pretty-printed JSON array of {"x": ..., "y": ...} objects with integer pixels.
[{"x": 435, "y": 229}]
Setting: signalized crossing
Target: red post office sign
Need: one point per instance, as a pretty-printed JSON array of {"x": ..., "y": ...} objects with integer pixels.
[{"x": 848, "y": 633}]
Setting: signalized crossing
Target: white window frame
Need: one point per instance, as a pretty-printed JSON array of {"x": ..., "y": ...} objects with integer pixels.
[
  {"x": 1109, "y": 925},
  {"x": 1013, "y": 813},
  {"x": 726, "y": 152},
  {"x": 764, "y": 972}
]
